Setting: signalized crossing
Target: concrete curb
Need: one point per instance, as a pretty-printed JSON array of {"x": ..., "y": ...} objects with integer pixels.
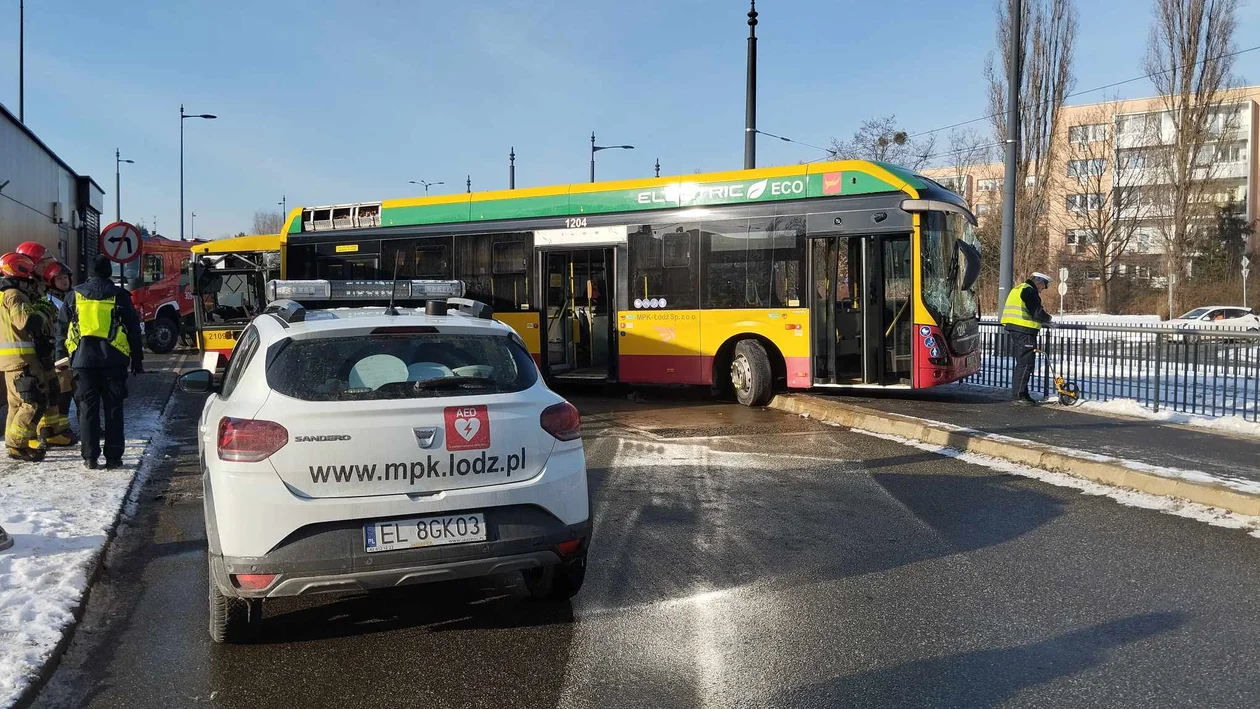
[
  {"x": 32, "y": 690},
  {"x": 1098, "y": 468}
]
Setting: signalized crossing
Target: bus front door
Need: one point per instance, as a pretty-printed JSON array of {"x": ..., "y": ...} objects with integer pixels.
[
  {"x": 860, "y": 306},
  {"x": 844, "y": 301},
  {"x": 578, "y": 308}
]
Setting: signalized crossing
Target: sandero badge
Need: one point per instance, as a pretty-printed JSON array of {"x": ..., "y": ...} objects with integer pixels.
[{"x": 321, "y": 439}]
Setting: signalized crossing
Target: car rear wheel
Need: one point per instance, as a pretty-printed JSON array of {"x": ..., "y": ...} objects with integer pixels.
[
  {"x": 556, "y": 583},
  {"x": 233, "y": 620},
  {"x": 162, "y": 334},
  {"x": 750, "y": 373}
]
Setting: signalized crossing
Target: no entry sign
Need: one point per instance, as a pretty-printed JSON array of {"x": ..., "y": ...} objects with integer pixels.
[{"x": 120, "y": 242}]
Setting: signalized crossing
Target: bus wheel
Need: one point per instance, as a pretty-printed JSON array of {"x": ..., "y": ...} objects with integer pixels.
[
  {"x": 163, "y": 334},
  {"x": 750, "y": 373}
]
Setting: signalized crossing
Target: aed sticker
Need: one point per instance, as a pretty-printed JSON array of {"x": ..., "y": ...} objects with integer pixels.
[
  {"x": 467, "y": 428},
  {"x": 347, "y": 248}
]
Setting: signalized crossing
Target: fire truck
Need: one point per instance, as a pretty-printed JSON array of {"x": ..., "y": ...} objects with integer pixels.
[{"x": 159, "y": 290}]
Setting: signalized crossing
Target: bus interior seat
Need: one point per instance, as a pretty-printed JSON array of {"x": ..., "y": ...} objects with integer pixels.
[
  {"x": 375, "y": 371},
  {"x": 420, "y": 371}
]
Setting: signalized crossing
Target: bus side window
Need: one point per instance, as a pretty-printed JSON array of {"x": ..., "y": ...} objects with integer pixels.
[
  {"x": 752, "y": 263},
  {"x": 664, "y": 264}
]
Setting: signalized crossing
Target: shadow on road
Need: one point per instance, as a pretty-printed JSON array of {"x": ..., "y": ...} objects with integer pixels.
[{"x": 983, "y": 678}]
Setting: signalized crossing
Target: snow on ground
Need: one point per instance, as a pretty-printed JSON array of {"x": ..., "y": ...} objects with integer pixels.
[
  {"x": 59, "y": 515},
  {"x": 1168, "y": 505},
  {"x": 1093, "y": 318},
  {"x": 1129, "y": 407}
]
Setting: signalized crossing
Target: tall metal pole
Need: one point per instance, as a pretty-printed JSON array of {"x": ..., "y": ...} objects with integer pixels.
[
  {"x": 22, "y": 61},
  {"x": 658, "y": 167},
  {"x": 192, "y": 225},
  {"x": 592, "y": 156},
  {"x": 1007, "y": 260},
  {"x": 468, "y": 183},
  {"x": 117, "y": 182},
  {"x": 181, "y": 172},
  {"x": 750, "y": 107},
  {"x": 512, "y": 168}
]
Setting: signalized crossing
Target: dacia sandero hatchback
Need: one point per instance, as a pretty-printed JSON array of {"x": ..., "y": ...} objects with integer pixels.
[{"x": 352, "y": 450}]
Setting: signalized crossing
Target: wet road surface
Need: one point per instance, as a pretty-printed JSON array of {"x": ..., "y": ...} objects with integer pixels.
[{"x": 741, "y": 558}]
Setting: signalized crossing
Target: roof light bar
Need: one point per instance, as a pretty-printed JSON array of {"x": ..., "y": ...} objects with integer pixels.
[{"x": 363, "y": 290}]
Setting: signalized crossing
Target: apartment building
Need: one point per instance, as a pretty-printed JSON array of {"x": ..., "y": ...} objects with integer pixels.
[{"x": 1106, "y": 168}]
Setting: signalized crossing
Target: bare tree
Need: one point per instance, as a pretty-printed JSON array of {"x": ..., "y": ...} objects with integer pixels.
[
  {"x": 1045, "y": 59},
  {"x": 967, "y": 151},
  {"x": 883, "y": 140},
  {"x": 1110, "y": 203},
  {"x": 1189, "y": 59},
  {"x": 266, "y": 222}
]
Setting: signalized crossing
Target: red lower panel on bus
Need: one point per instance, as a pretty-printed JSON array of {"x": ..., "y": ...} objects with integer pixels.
[
  {"x": 665, "y": 369},
  {"x": 798, "y": 373}
]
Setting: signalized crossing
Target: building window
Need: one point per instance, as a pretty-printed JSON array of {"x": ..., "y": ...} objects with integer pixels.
[
  {"x": 991, "y": 184},
  {"x": 953, "y": 183},
  {"x": 1133, "y": 159},
  {"x": 1082, "y": 201},
  {"x": 1231, "y": 152},
  {"x": 1088, "y": 133},
  {"x": 1084, "y": 168},
  {"x": 1078, "y": 237},
  {"x": 1141, "y": 124},
  {"x": 983, "y": 209}
]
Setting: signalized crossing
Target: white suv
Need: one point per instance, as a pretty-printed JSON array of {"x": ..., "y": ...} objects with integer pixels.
[{"x": 351, "y": 450}]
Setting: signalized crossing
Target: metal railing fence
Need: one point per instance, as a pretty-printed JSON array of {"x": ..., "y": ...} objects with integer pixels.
[{"x": 1210, "y": 372}]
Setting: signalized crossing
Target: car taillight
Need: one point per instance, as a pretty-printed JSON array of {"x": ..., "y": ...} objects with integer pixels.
[
  {"x": 562, "y": 421},
  {"x": 248, "y": 440}
]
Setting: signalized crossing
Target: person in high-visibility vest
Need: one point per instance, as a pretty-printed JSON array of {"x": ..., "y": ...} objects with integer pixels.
[
  {"x": 99, "y": 330},
  {"x": 1022, "y": 317},
  {"x": 23, "y": 376}
]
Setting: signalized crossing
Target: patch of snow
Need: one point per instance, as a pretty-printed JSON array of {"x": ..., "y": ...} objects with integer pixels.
[
  {"x": 1169, "y": 505},
  {"x": 1104, "y": 318},
  {"x": 60, "y": 515},
  {"x": 1130, "y": 407}
]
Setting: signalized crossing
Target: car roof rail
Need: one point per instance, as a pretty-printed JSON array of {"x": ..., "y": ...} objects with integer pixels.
[
  {"x": 286, "y": 311},
  {"x": 471, "y": 308}
]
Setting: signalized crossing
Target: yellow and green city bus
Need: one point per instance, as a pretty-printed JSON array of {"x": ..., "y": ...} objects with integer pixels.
[{"x": 848, "y": 273}]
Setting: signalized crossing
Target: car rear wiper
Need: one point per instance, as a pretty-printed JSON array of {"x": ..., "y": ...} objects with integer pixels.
[{"x": 454, "y": 382}]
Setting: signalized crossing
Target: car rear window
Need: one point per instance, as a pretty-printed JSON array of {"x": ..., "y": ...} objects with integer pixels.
[{"x": 400, "y": 366}]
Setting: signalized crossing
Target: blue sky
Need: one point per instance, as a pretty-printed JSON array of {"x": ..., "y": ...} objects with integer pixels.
[{"x": 343, "y": 101}]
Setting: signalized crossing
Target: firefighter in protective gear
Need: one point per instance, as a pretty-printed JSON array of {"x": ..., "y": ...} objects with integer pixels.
[
  {"x": 20, "y": 325},
  {"x": 54, "y": 427},
  {"x": 1022, "y": 317},
  {"x": 99, "y": 330}
]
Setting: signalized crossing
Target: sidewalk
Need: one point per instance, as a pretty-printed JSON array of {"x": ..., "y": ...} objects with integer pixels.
[
  {"x": 1145, "y": 441},
  {"x": 61, "y": 518}
]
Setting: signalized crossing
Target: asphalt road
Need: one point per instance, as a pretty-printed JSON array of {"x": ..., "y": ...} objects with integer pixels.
[{"x": 741, "y": 558}]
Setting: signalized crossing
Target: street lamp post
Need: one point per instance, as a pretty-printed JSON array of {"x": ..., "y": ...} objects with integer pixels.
[
  {"x": 118, "y": 161},
  {"x": 512, "y": 168},
  {"x": 596, "y": 148},
  {"x": 750, "y": 96},
  {"x": 22, "y": 61},
  {"x": 182, "y": 117},
  {"x": 427, "y": 185},
  {"x": 284, "y": 206},
  {"x": 192, "y": 225},
  {"x": 658, "y": 167},
  {"x": 468, "y": 184}
]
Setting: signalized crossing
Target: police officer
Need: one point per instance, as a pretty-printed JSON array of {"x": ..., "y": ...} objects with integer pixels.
[
  {"x": 1022, "y": 316},
  {"x": 23, "y": 377},
  {"x": 99, "y": 329}
]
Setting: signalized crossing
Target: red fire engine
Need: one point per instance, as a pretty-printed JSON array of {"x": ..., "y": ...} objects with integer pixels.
[{"x": 157, "y": 289}]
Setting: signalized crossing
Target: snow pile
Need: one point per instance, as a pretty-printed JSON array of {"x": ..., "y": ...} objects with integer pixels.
[
  {"x": 1129, "y": 407},
  {"x": 1101, "y": 318},
  {"x": 59, "y": 515},
  {"x": 1131, "y": 498}
]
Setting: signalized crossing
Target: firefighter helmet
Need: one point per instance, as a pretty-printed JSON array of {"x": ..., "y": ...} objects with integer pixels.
[
  {"x": 15, "y": 265},
  {"x": 33, "y": 250},
  {"x": 54, "y": 269}
]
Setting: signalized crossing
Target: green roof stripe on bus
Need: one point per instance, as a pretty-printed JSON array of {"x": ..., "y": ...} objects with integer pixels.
[{"x": 666, "y": 194}]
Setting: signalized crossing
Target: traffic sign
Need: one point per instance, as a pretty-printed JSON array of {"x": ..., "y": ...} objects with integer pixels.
[
  {"x": 1062, "y": 287},
  {"x": 120, "y": 242},
  {"x": 1246, "y": 262},
  {"x": 1063, "y": 274}
]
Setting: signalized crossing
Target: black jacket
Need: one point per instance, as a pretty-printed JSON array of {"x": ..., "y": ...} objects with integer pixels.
[
  {"x": 1032, "y": 303},
  {"x": 95, "y": 352}
]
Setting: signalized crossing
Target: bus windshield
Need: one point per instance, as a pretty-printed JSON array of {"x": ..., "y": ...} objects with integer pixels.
[{"x": 942, "y": 294}]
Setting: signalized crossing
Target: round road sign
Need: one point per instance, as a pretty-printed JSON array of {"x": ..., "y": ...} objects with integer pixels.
[
  {"x": 1062, "y": 287},
  {"x": 120, "y": 242}
]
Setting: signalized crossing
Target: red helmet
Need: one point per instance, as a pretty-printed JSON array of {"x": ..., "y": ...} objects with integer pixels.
[
  {"x": 34, "y": 250},
  {"x": 54, "y": 269},
  {"x": 17, "y": 265}
]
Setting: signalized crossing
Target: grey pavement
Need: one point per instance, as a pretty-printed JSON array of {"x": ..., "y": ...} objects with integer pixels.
[
  {"x": 1144, "y": 440},
  {"x": 740, "y": 558}
]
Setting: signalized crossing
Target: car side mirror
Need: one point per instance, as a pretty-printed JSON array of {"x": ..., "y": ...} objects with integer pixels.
[{"x": 199, "y": 381}]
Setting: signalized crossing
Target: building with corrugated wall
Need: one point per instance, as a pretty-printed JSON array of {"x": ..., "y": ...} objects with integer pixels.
[{"x": 43, "y": 199}]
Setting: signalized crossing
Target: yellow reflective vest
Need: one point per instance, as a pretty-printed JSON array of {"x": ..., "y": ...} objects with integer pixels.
[
  {"x": 97, "y": 318},
  {"x": 1015, "y": 312}
]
